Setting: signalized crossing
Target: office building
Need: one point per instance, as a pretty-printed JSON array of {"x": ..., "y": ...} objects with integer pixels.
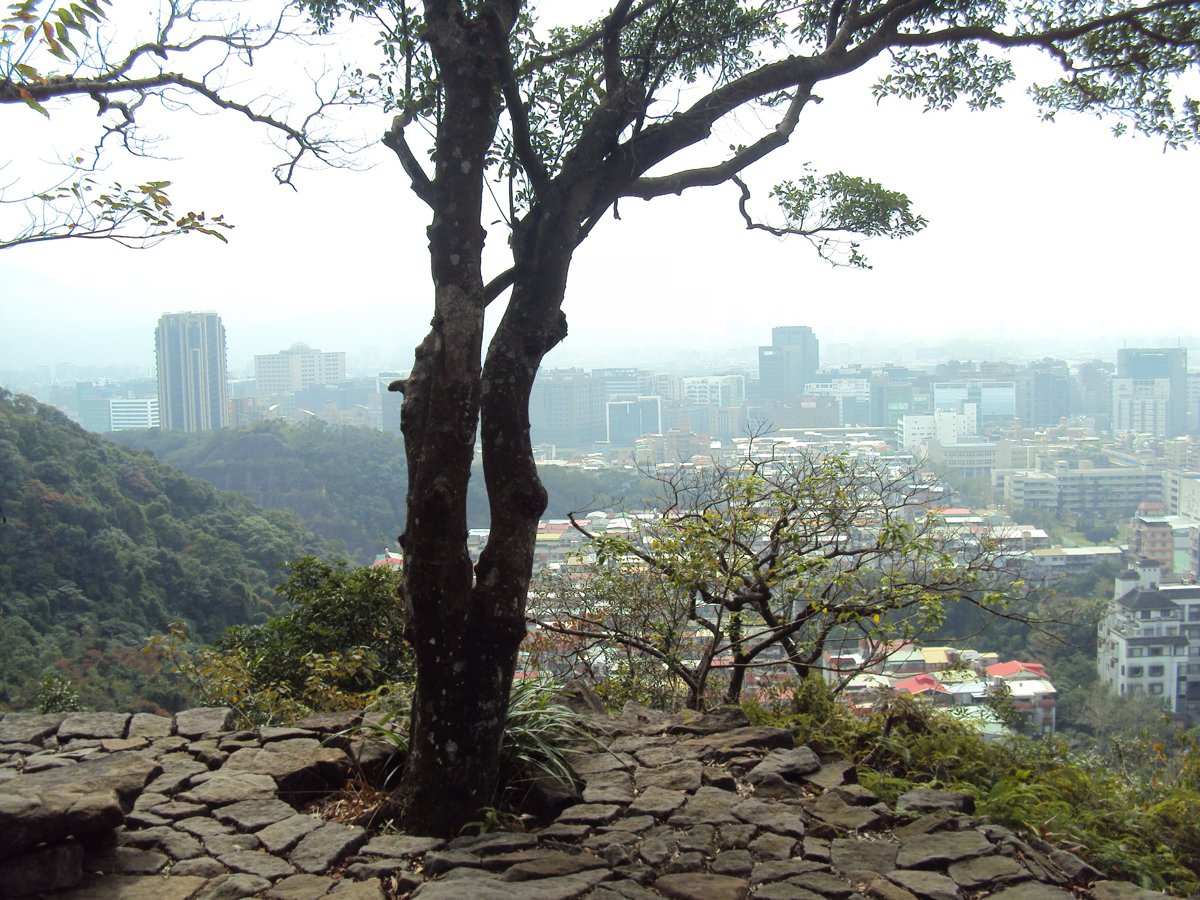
[
  {"x": 563, "y": 411},
  {"x": 789, "y": 363},
  {"x": 1150, "y": 391},
  {"x": 295, "y": 369},
  {"x": 628, "y": 420},
  {"x": 130, "y": 414},
  {"x": 192, "y": 389},
  {"x": 715, "y": 390}
]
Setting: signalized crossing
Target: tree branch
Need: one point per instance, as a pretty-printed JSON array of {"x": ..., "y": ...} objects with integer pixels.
[
  {"x": 677, "y": 183},
  {"x": 395, "y": 141}
]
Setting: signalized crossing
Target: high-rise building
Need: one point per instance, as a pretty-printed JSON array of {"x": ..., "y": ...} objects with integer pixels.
[
  {"x": 1043, "y": 393},
  {"x": 192, "y": 389},
  {"x": 1143, "y": 373},
  {"x": 628, "y": 420},
  {"x": 562, "y": 410},
  {"x": 791, "y": 362}
]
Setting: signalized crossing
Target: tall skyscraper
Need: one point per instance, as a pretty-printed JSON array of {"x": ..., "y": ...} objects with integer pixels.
[
  {"x": 1150, "y": 391},
  {"x": 192, "y": 384},
  {"x": 791, "y": 362}
]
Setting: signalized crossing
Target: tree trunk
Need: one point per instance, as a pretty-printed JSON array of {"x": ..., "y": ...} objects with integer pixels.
[{"x": 464, "y": 661}]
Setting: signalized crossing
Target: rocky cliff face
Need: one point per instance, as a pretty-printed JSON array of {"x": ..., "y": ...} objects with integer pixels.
[{"x": 97, "y": 805}]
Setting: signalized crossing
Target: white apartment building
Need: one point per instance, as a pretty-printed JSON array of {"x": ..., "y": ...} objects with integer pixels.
[
  {"x": 1149, "y": 641},
  {"x": 1141, "y": 406},
  {"x": 296, "y": 368},
  {"x": 715, "y": 390},
  {"x": 944, "y": 426},
  {"x": 126, "y": 414}
]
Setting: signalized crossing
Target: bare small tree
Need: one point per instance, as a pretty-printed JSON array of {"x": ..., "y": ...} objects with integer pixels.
[{"x": 777, "y": 563}]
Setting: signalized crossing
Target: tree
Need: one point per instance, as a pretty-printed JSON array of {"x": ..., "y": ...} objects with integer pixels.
[
  {"x": 799, "y": 562},
  {"x": 570, "y": 121},
  {"x": 51, "y": 55}
]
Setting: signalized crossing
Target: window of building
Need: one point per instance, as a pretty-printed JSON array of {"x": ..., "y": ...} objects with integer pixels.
[
  {"x": 1154, "y": 651},
  {"x": 1136, "y": 671},
  {"x": 1155, "y": 688},
  {"x": 1156, "y": 671},
  {"x": 1137, "y": 652}
]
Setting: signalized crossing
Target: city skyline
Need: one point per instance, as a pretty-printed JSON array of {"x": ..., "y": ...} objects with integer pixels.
[{"x": 1037, "y": 232}]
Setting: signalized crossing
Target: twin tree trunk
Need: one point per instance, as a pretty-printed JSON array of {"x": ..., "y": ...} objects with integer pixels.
[{"x": 465, "y": 623}]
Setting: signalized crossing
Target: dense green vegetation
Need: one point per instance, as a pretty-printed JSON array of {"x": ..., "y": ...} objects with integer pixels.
[
  {"x": 339, "y": 645},
  {"x": 102, "y": 546},
  {"x": 348, "y": 483}
]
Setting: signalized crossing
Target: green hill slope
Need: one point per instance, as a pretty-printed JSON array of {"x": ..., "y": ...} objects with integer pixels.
[
  {"x": 347, "y": 484},
  {"x": 102, "y": 545}
]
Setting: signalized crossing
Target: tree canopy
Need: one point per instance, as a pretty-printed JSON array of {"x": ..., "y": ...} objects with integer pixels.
[{"x": 564, "y": 120}]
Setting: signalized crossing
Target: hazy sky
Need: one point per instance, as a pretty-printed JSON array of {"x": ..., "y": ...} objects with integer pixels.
[{"x": 1041, "y": 235}]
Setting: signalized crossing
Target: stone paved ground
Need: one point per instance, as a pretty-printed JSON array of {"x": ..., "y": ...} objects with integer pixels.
[{"x": 108, "y": 805}]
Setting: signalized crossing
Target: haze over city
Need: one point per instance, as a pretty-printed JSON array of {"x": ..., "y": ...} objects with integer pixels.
[{"x": 1043, "y": 239}]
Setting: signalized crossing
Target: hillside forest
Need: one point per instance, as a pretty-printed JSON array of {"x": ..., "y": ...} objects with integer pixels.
[{"x": 103, "y": 545}]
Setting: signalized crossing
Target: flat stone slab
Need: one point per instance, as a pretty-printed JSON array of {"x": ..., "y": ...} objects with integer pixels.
[
  {"x": 224, "y": 788},
  {"x": 481, "y": 887},
  {"x": 589, "y": 814},
  {"x": 231, "y": 887},
  {"x": 320, "y": 849},
  {"x": 657, "y": 802},
  {"x": 29, "y": 728},
  {"x": 299, "y": 887},
  {"x": 931, "y": 851},
  {"x": 919, "y": 801},
  {"x": 285, "y": 834},
  {"x": 400, "y": 845},
  {"x": 48, "y": 868},
  {"x": 553, "y": 864},
  {"x": 710, "y": 806},
  {"x": 93, "y": 725},
  {"x": 608, "y": 787},
  {"x": 192, "y": 723},
  {"x": 148, "y": 725},
  {"x": 929, "y": 885},
  {"x": 737, "y": 742},
  {"x": 679, "y": 775},
  {"x": 780, "y": 818},
  {"x": 256, "y": 862},
  {"x": 986, "y": 872},
  {"x": 848, "y": 855},
  {"x": 298, "y": 771},
  {"x": 82, "y": 800},
  {"x": 131, "y": 887},
  {"x": 251, "y": 815},
  {"x": 791, "y": 765},
  {"x": 695, "y": 886}
]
